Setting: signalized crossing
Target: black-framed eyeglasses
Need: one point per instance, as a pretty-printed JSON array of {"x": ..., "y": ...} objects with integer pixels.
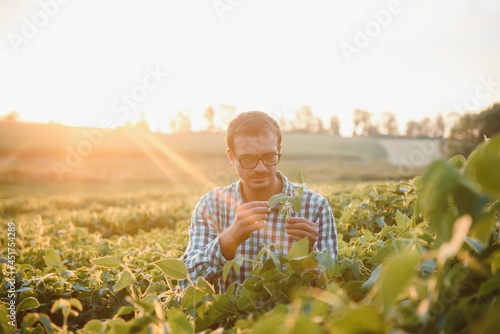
[{"x": 251, "y": 161}]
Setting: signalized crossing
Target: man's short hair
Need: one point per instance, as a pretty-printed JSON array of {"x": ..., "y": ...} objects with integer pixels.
[{"x": 251, "y": 123}]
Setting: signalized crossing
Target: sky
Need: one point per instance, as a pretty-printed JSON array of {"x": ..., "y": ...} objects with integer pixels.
[{"x": 91, "y": 62}]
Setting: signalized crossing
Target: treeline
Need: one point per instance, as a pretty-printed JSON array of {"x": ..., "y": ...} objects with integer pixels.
[
  {"x": 459, "y": 134},
  {"x": 306, "y": 121}
]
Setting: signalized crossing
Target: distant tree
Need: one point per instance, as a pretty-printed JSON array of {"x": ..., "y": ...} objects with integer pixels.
[
  {"x": 362, "y": 123},
  {"x": 225, "y": 113},
  {"x": 426, "y": 127},
  {"x": 307, "y": 121},
  {"x": 142, "y": 124},
  {"x": 334, "y": 126},
  {"x": 209, "y": 115},
  {"x": 13, "y": 116},
  {"x": 181, "y": 122},
  {"x": 412, "y": 129},
  {"x": 389, "y": 125},
  {"x": 439, "y": 126},
  {"x": 471, "y": 130}
]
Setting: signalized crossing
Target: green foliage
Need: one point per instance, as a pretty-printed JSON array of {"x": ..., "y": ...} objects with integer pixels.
[
  {"x": 421, "y": 255},
  {"x": 471, "y": 130},
  {"x": 289, "y": 204}
]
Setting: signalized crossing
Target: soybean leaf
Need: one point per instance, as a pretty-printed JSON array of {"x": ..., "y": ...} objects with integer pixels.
[
  {"x": 363, "y": 319},
  {"x": 225, "y": 270},
  {"x": 173, "y": 268},
  {"x": 396, "y": 273},
  {"x": 275, "y": 199},
  {"x": 299, "y": 249},
  {"x": 97, "y": 326},
  {"x": 298, "y": 177},
  {"x": 124, "y": 310},
  {"x": 296, "y": 203},
  {"x": 458, "y": 161},
  {"x": 38, "y": 330},
  {"x": 106, "y": 262},
  {"x": 401, "y": 219},
  {"x": 178, "y": 322},
  {"x": 27, "y": 303},
  {"x": 76, "y": 304},
  {"x": 373, "y": 279},
  {"x": 204, "y": 285},
  {"x": 124, "y": 280},
  {"x": 484, "y": 164},
  {"x": 302, "y": 264},
  {"x": 52, "y": 259}
]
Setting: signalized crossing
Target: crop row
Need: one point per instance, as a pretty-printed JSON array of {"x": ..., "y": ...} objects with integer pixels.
[{"x": 420, "y": 255}]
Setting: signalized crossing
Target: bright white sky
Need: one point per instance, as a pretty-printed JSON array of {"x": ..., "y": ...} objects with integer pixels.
[{"x": 427, "y": 58}]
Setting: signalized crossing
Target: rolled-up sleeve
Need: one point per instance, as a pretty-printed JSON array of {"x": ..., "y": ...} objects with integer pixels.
[
  {"x": 203, "y": 256},
  {"x": 327, "y": 230}
]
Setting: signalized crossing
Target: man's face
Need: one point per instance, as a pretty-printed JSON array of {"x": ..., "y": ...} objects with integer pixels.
[{"x": 261, "y": 176}]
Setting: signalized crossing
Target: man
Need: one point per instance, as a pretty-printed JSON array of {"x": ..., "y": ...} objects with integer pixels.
[{"x": 230, "y": 220}]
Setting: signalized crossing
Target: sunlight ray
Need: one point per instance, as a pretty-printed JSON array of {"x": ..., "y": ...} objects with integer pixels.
[
  {"x": 152, "y": 155},
  {"x": 177, "y": 159}
]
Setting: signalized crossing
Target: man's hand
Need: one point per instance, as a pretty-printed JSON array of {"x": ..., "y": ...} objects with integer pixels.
[
  {"x": 249, "y": 217},
  {"x": 299, "y": 228}
]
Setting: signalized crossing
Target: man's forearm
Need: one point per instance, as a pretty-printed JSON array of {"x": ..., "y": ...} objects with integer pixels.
[{"x": 228, "y": 246}]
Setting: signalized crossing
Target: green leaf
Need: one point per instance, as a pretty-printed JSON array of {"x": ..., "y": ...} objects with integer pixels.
[
  {"x": 106, "y": 262},
  {"x": 296, "y": 203},
  {"x": 270, "y": 324},
  {"x": 178, "y": 322},
  {"x": 484, "y": 164},
  {"x": 476, "y": 245},
  {"x": 381, "y": 254},
  {"x": 298, "y": 177},
  {"x": 124, "y": 280},
  {"x": 124, "y": 310},
  {"x": 76, "y": 304},
  {"x": 401, "y": 219},
  {"x": 302, "y": 264},
  {"x": 224, "y": 305},
  {"x": 372, "y": 280},
  {"x": 46, "y": 323},
  {"x": 458, "y": 161},
  {"x": 27, "y": 303},
  {"x": 490, "y": 286},
  {"x": 299, "y": 249},
  {"x": 52, "y": 259},
  {"x": 483, "y": 227},
  {"x": 61, "y": 304},
  {"x": 173, "y": 268},
  {"x": 191, "y": 297},
  {"x": 38, "y": 330},
  {"x": 225, "y": 271},
  {"x": 29, "y": 320},
  {"x": 97, "y": 326},
  {"x": 438, "y": 179},
  {"x": 395, "y": 274},
  {"x": 275, "y": 199},
  {"x": 362, "y": 319},
  {"x": 204, "y": 285}
]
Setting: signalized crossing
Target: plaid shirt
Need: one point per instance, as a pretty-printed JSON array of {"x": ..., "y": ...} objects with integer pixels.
[{"x": 215, "y": 212}]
